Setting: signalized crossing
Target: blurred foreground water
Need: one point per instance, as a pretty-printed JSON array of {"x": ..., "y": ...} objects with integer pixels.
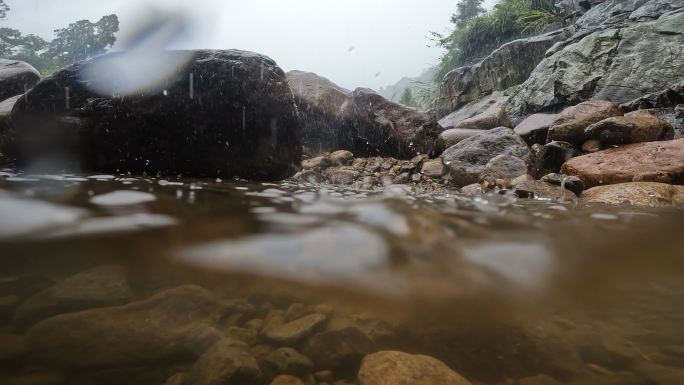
[{"x": 500, "y": 289}]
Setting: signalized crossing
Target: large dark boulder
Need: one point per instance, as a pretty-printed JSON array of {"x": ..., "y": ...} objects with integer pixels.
[
  {"x": 320, "y": 103},
  {"x": 16, "y": 77},
  {"x": 222, "y": 114},
  {"x": 375, "y": 126}
]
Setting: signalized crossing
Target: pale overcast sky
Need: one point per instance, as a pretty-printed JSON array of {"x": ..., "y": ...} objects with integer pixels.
[{"x": 355, "y": 43}]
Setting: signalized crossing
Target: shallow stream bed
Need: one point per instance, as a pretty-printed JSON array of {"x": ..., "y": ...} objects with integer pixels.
[{"x": 116, "y": 279}]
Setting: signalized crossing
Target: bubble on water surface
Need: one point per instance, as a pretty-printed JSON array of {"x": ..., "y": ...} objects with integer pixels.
[
  {"x": 343, "y": 252},
  {"x": 123, "y": 198},
  {"x": 22, "y": 217},
  {"x": 525, "y": 264},
  {"x": 112, "y": 225}
]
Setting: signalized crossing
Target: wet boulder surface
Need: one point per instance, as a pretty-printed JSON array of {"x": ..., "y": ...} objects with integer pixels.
[
  {"x": 16, "y": 77},
  {"x": 375, "y": 126},
  {"x": 224, "y": 113},
  {"x": 319, "y": 101}
]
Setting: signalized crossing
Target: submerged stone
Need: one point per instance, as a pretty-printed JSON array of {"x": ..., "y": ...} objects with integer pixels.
[
  {"x": 140, "y": 332},
  {"x": 397, "y": 368}
]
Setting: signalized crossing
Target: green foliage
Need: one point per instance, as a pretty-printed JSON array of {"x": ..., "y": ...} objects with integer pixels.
[
  {"x": 4, "y": 8},
  {"x": 535, "y": 20},
  {"x": 467, "y": 10},
  {"x": 476, "y": 37},
  {"x": 427, "y": 95},
  {"x": 78, "y": 41},
  {"x": 83, "y": 39}
]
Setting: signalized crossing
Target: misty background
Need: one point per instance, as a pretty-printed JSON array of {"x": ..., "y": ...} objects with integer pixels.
[{"x": 355, "y": 43}]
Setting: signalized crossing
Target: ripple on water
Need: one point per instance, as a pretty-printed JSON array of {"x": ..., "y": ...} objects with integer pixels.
[
  {"x": 334, "y": 253},
  {"x": 123, "y": 198},
  {"x": 21, "y": 217}
]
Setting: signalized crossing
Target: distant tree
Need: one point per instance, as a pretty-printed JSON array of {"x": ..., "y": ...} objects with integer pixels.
[
  {"x": 4, "y": 8},
  {"x": 407, "y": 98},
  {"x": 467, "y": 10},
  {"x": 83, "y": 39}
]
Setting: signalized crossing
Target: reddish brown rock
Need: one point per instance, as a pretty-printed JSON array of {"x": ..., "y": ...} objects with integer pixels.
[
  {"x": 434, "y": 168},
  {"x": 494, "y": 116},
  {"x": 570, "y": 124},
  {"x": 637, "y": 127},
  {"x": 646, "y": 194},
  {"x": 397, "y": 368},
  {"x": 648, "y": 162}
]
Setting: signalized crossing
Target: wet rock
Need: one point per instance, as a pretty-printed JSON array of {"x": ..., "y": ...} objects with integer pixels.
[
  {"x": 12, "y": 347},
  {"x": 338, "y": 348},
  {"x": 659, "y": 374},
  {"x": 371, "y": 326},
  {"x": 434, "y": 168},
  {"x": 646, "y": 194},
  {"x": 308, "y": 176},
  {"x": 670, "y": 97},
  {"x": 320, "y": 103},
  {"x": 570, "y": 125},
  {"x": 239, "y": 120},
  {"x": 7, "y": 144},
  {"x": 145, "y": 331},
  {"x": 610, "y": 57},
  {"x": 287, "y": 380},
  {"x": 591, "y": 146},
  {"x": 453, "y": 136},
  {"x": 376, "y": 126},
  {"x": 296, "y": 330},
  {"x": 324, "y": 376},
  {"x": 16, "y": 77},
  {"x": 541, "y": 379},
  {"x": 101, "y": 286},
  {"x": 503, "y": 167},
  {"x": 397, "y": 368},
  {"x": 509, "y": 65},
  {"x": 177, "y": 379},
  {"x": 38, "y": 378},
  {"x": 633, "y": 128},
  {"x": 522, "y": 179},
  {"x": 542, "y": 190},
  {"x": 7, "y": 305},
  {"x": 402, "y": 178},
  {"x": 494, "y": 116},
  {"x": 341, "y": 176},
  {"x": 467, "y": 159},
  {"x": 554, "y": 154},
  {"x": 648, "y": 162},
  {"x": 288, "y": 361},
  {"x": 248, "y": 336},
  {"x": 227, "y": 362},
  {"x": 472, "y": 189},
  {"x": 669, "y": 115},
  {"x": 571, "y": 183},
  {"x": 341, "y": 158},
  {"x": 535, "y": 128},
  {"x": 316, "y": 163}
]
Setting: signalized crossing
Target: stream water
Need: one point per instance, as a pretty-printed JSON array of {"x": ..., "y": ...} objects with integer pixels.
[{"x": 499, "y": 288}]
